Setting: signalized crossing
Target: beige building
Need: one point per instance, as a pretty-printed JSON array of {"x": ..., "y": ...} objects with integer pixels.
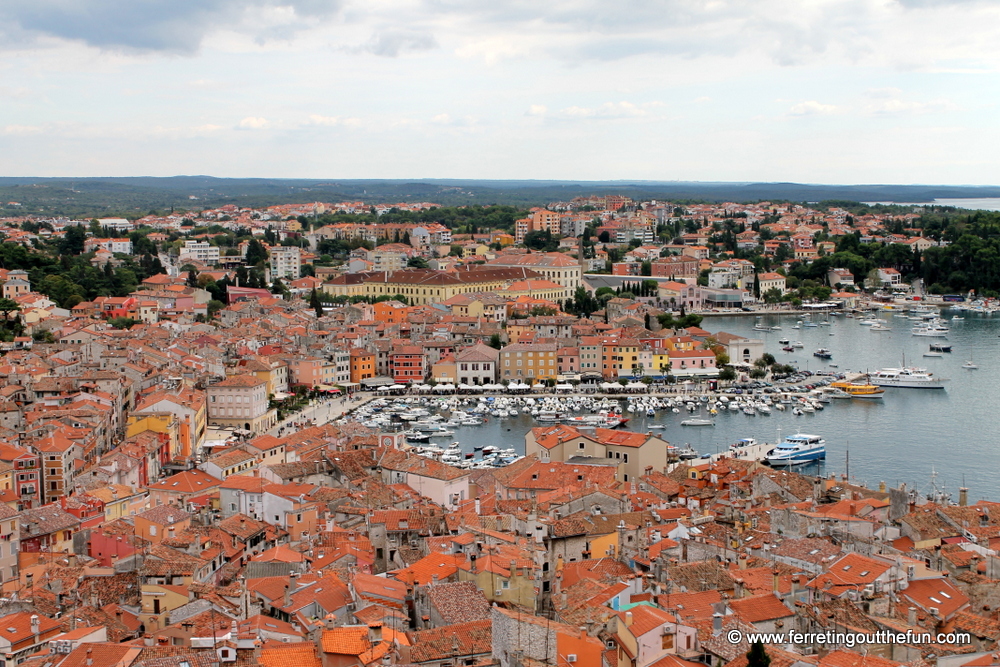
[
  {"x": 423, "y": 286},
  {"x": 554, "y": 266},
  {"x": 632, "y": 452},
  {"x": 9, "y": 542},
  {"x": 770, "y": 281},
  {"x": 286, "y": 262},
  {"x": 241, "y": 401}
]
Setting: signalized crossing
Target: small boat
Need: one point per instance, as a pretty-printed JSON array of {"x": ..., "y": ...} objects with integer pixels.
[
  {"x": 798, "y": 343},
  {"x": 796, "y": 326},
  {"x": 687, "y": 453},
  {"x": 833, "y": 365},
  {"x": 933, "y": 354},
  {"x": 940, "y": 347},
  {"x": 823, "y": 353},
  {"x": 788, "y": 348},
  {"x": 784, "y": 341},
  {"x": 859, "y": 390},
  {"x": 697, "y": 422},
  {"x": 969, "y": 365},
  {"x": 880, "y": 327},
  {"x": 956, "y": 318}
]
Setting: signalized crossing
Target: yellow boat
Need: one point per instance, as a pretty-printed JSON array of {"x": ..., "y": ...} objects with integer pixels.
[{"x": 859, "y": 390}]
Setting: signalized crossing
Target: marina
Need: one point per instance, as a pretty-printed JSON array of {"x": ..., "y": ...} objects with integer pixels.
[{"x": 878, "y": 433}]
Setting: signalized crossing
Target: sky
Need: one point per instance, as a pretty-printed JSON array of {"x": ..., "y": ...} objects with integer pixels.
[{"x": 812, "y": 91}]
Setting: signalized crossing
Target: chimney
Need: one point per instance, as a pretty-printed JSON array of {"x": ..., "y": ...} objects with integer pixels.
[
  {"x": 963, "y": 496},
  {"x": 477, "y": 506},
  {"x": 375, "y": 633},
  {"x": 774, "y": 580},
  {"x": 35, "y": 624},
  {"x": 716, "y": 624},
  {"x": 90, "y": 656},
  {"x": 434, "y": 579},
  {"x": 911, "y": 616},
  {"x": 287, "y": 601},
  {"x": 628, "y": 619},
  {"x": 738, "y": 588}
]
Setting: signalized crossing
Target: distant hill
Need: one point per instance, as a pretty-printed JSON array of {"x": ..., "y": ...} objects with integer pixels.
[{"x": 134, "y": 196}]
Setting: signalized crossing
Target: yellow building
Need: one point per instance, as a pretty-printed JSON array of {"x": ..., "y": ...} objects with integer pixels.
[
  {"x": 529, "y": 363},
  {"x": 119, "y": 500},
  {"x": 157, "y": 600},
  {"x": 503, "y": 580},
  {"x": 423, "y": 286},
  {"x": 157, "y": 422},
  {"x": 661, "y": 363}
]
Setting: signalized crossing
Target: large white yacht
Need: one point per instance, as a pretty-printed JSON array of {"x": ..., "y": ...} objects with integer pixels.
[{"x": 911, "y": 378}]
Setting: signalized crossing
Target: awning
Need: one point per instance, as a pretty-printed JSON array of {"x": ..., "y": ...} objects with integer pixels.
[
  {"x": 564, "y": 386},
  {"x": 280, "y": 395}
]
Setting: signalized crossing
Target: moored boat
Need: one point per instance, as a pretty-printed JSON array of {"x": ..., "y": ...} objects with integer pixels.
[
  {"x": 797, "y": 449},
  {"x": 909, "y": 378}
]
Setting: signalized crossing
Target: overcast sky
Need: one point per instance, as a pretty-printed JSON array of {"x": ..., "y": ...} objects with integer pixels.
[{"x": 844, "y": 91}]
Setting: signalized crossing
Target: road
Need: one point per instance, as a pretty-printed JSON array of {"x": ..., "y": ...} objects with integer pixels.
[{"x": 321, "y": 410}]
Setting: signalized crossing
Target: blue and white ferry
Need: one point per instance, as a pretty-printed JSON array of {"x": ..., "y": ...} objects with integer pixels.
[{"x": 797, "y": 449}]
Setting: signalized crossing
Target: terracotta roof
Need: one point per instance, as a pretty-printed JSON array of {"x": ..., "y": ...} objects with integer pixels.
[
  {"x": 460, "y": 639},
  {"x": 346, "y": 640},
  {"x": 760, "y": 608},
  {"x": 278, "y": 654}
]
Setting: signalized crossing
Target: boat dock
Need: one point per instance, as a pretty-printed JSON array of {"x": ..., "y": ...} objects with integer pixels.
[{"x": 755, "y": 452}]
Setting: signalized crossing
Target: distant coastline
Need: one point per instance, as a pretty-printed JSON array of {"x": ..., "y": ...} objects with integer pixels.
[{"x": 971, "y": 203}]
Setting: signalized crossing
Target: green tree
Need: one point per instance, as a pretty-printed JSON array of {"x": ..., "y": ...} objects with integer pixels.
[
  {"x": 8, "y": 306},
  {"x": 256, "y": 253},
  {"x": 727, "y": 374},
  {"x": 496, "y": 342},
  {"x": 315, "y": 303},
  {"x": 417, "y": 263},
  {"x": 278, "y": 287},
  {"x": 73, "y": 240},
  {"x": 757, "y": 656}
]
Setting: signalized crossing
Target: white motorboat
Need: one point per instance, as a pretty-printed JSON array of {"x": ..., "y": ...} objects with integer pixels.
[
  {"x": 697, "y": 422},
  {"x": 969, "y": 365},
  {"x": 797, "y": 449},
  {"x": 910, "y": 378}
]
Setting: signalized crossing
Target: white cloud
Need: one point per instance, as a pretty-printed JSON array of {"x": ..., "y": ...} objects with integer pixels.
[
  {"x": 898, "y": 107},
  {"x": 537, "y": 110},
  {"x": 22, "y": 129},
  {"x": 812, "y": 108},
  {"x": 253, "y": 123},
  {"x": 608, "y": 110}
]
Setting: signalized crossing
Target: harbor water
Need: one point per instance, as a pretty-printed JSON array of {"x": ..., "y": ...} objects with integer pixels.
[{"x": 904, "y": 437}]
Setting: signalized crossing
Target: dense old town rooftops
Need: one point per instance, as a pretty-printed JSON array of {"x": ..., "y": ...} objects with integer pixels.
[{"x": 179, "y": 486}]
